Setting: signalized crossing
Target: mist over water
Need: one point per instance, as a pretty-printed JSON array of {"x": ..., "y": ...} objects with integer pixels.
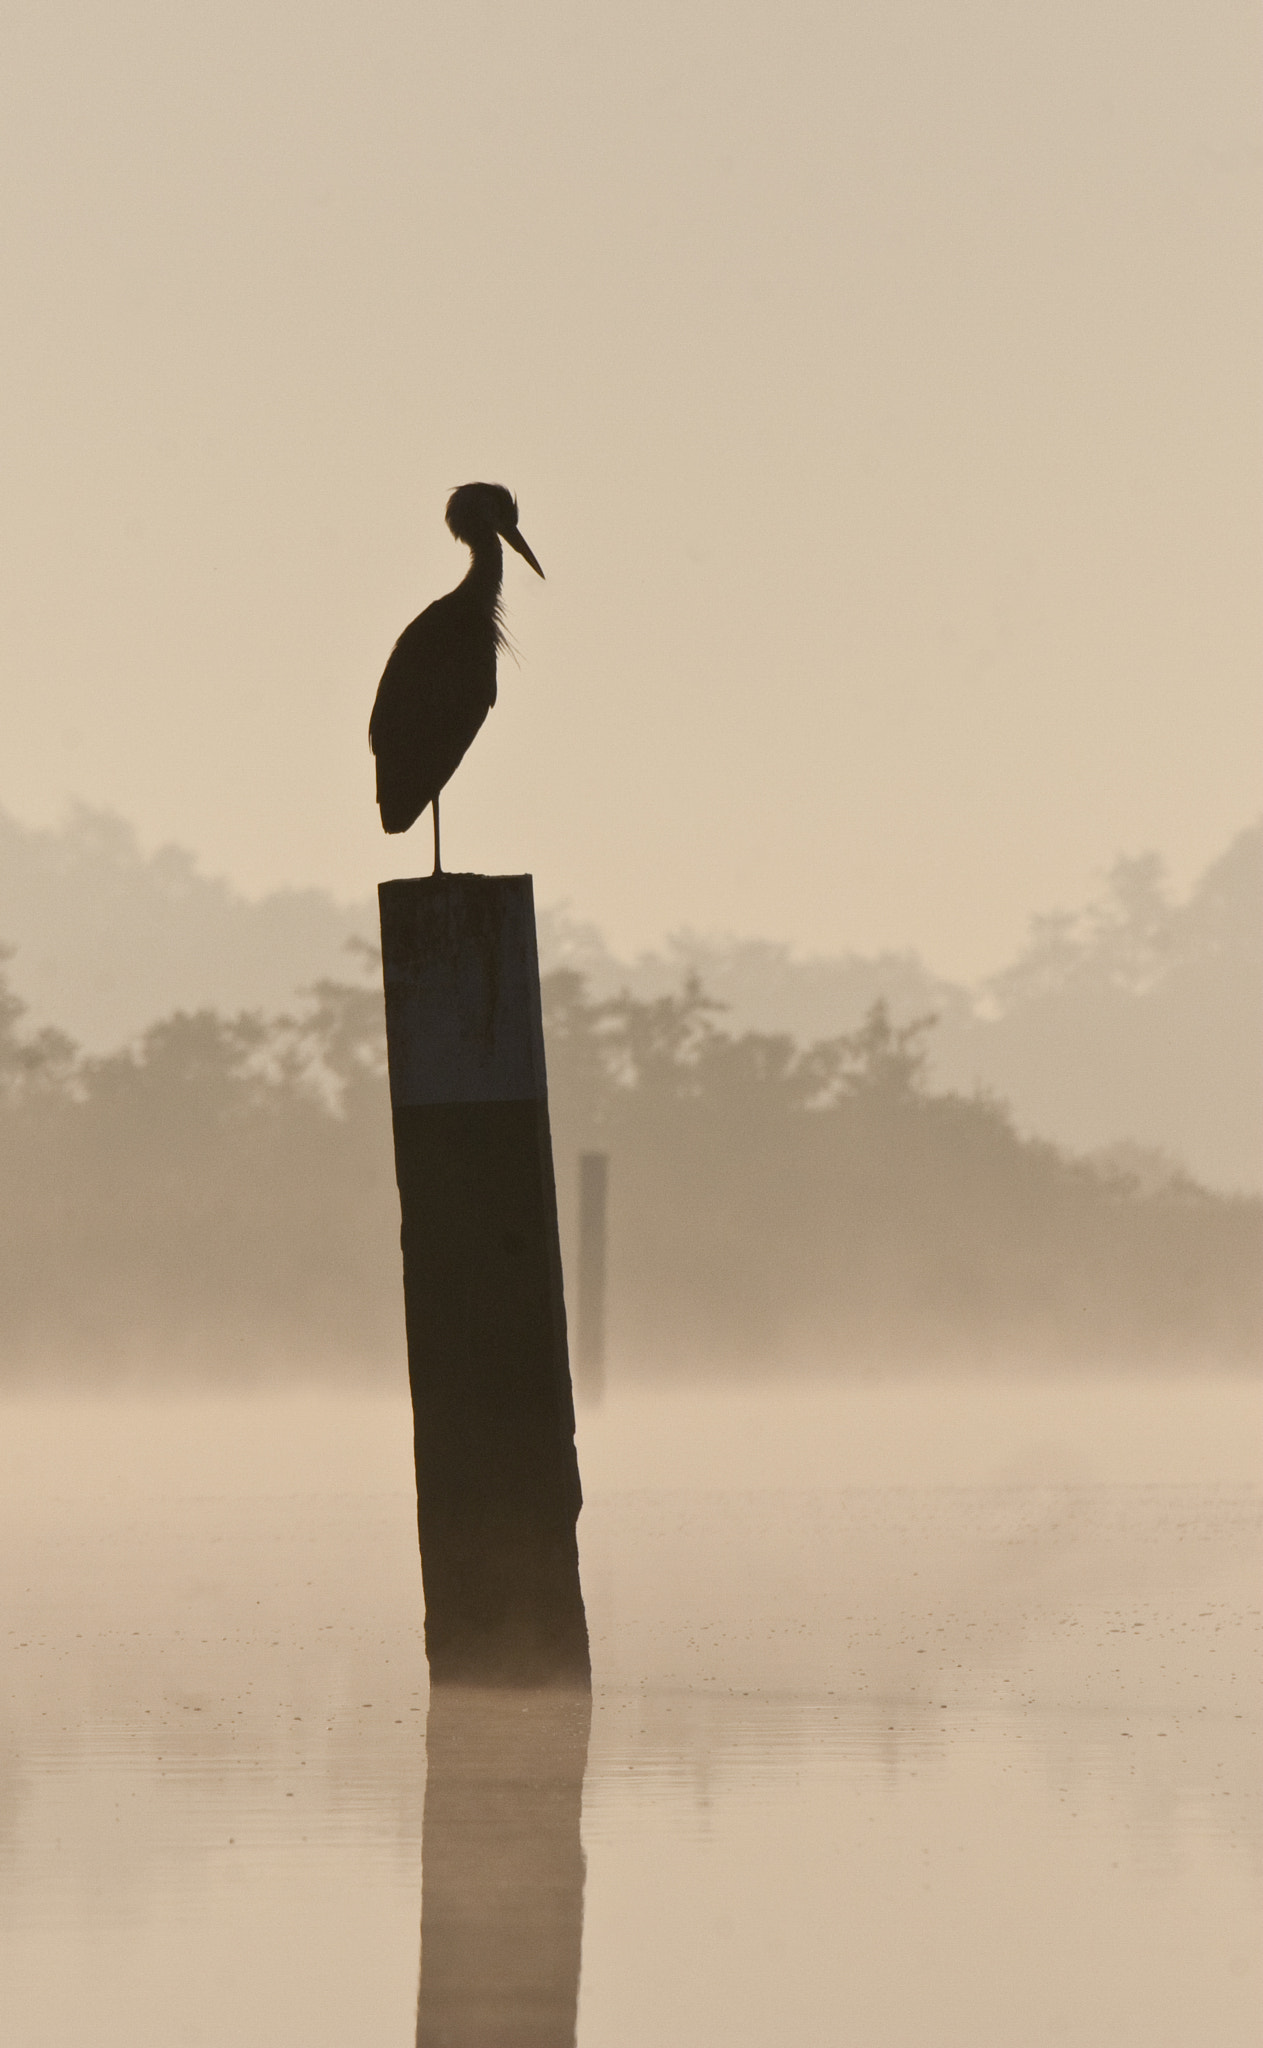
[{"x": 921, "y": 1714}]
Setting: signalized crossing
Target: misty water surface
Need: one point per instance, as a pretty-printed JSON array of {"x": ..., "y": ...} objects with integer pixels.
[{"x": 921, "y": 1717}]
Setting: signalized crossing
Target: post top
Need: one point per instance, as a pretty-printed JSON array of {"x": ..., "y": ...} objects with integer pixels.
[{"x": 461, "y": 976}]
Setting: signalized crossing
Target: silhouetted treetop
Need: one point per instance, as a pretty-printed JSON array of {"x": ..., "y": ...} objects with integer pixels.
[{"x": 224, "y": 1186}]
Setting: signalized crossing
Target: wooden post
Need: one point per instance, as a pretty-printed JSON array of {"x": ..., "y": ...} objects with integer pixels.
[
  {"x": 593, "y": 1191},
  {"x": 497, "y": 1478}
]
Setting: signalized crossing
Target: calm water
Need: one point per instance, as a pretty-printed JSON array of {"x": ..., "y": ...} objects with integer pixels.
[{"x": 923, "y": 1716}]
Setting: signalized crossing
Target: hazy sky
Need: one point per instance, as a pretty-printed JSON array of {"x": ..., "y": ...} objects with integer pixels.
[{"x": 879, "y": 382}]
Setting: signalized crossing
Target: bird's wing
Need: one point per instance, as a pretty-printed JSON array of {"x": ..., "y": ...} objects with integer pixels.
[{"x": 435, "y": 692}]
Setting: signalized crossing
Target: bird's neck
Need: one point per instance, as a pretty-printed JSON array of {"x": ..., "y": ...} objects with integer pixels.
[{"x": 485, "y": 573}]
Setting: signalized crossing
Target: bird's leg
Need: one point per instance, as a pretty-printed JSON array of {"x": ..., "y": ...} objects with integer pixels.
[{"x": 438, "y": 865}]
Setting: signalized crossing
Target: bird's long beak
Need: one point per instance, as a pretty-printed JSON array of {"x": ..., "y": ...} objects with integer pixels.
[{"x": 515, "y": 540}]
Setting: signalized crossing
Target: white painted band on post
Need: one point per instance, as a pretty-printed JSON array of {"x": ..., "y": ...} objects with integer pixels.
[{"x": 461, "y": 976}]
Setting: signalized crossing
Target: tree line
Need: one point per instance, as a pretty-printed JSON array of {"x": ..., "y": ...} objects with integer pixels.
[{"x": 218, "y": 1199}]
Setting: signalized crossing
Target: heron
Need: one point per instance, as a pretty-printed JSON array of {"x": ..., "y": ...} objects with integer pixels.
[{"x": 440, "y": 681}]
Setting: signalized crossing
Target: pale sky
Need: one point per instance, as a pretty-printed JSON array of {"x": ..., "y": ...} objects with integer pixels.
[{"x": 879, "y": 382}]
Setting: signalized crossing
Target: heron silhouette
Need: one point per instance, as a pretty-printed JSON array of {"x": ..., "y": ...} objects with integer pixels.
[{"x": 440, "y": 681}]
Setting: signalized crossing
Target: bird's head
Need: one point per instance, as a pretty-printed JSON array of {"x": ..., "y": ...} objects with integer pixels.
[{"x": 477, "y": 510}]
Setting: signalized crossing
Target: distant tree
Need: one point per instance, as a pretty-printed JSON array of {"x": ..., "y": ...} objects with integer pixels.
[
  {"x": 220, "y": 1195},
  {"x": 33, "y": 1064},
  {"x": 880, "y": 1059}
]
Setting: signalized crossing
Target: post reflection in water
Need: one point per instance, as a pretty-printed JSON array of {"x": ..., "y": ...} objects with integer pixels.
[{"x": 502, "y": 1867}]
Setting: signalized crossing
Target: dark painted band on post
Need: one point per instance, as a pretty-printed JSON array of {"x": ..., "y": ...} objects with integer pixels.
[
  {"x": 498, "y": 1492},
  {"x": 461, "y": 971}
]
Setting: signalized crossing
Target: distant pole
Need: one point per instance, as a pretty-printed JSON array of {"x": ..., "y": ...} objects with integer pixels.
[
  {"x": 497, "y": 1478},
  {"x": 593, "y": 1193}
]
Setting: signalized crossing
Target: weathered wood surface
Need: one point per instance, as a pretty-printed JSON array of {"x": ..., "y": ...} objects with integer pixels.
[{"x": 498, "y": 1492}]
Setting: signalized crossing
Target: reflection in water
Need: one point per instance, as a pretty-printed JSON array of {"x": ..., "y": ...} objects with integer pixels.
[
  {"x": 916, "y": 1758},
  {"x": 502, "y": 1864}
]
